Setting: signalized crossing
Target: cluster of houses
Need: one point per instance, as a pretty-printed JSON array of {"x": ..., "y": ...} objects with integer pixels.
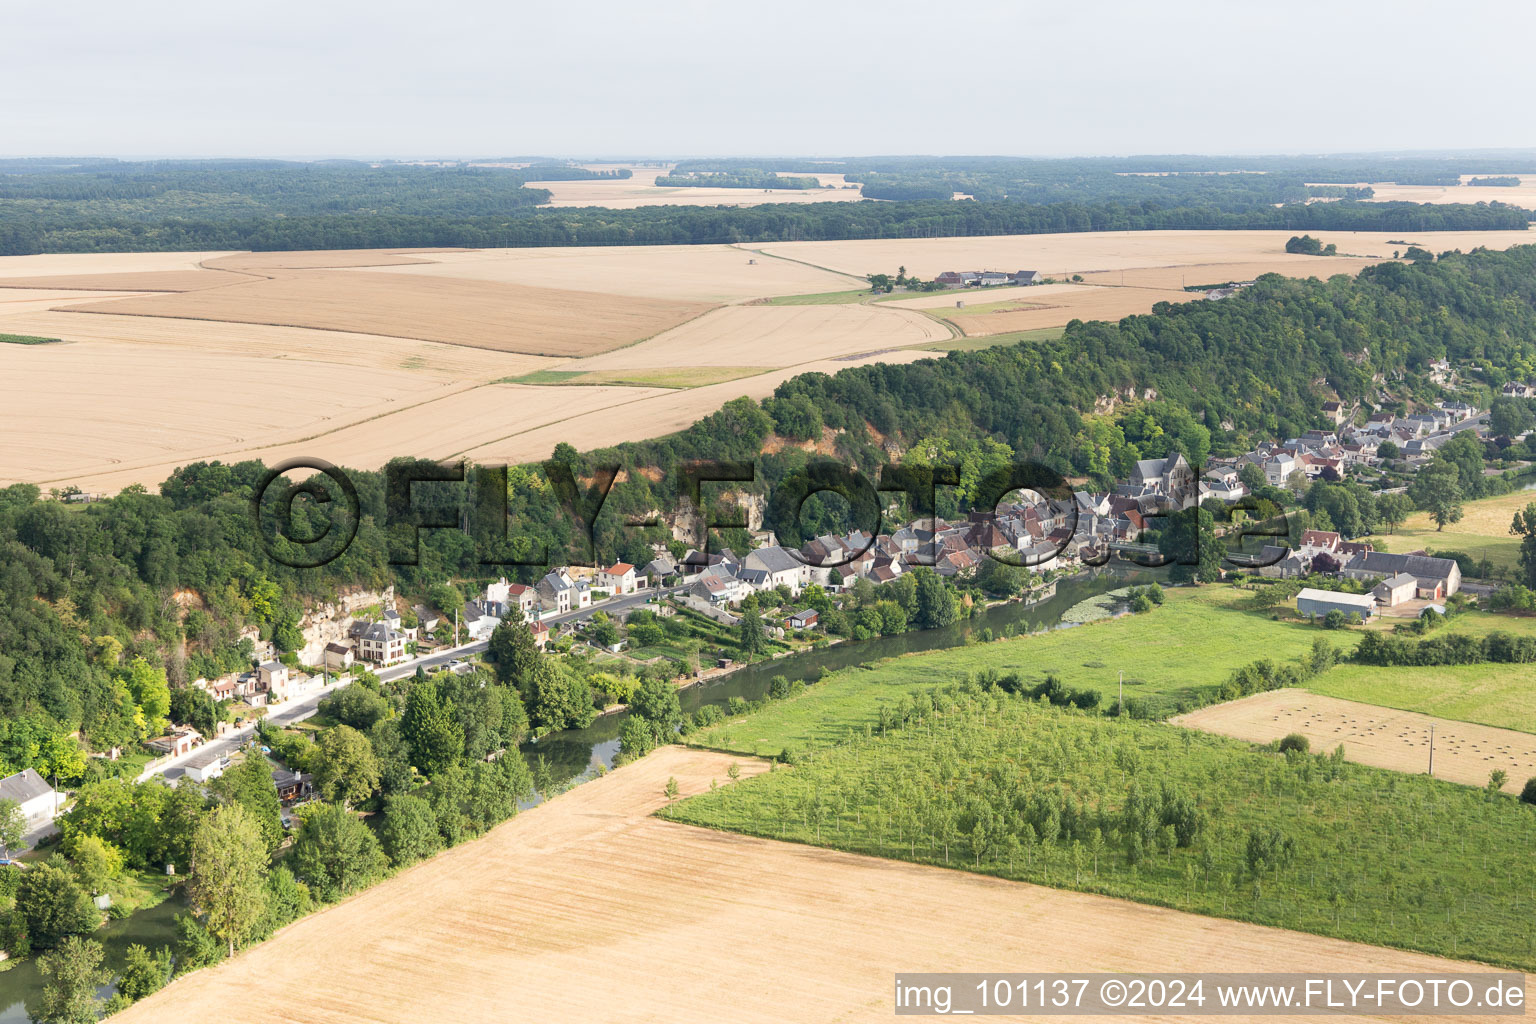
[
  {"x": 987, "y": 278},
  {"x": 1043, "y": 534},
  {"x": 1399, "y": 580},
  {"x": 1406, "y": 577},
  {"x": 1317, "y": 452}
]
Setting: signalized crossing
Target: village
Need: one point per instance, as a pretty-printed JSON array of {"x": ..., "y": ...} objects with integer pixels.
[{"x": 584, "y": 609}]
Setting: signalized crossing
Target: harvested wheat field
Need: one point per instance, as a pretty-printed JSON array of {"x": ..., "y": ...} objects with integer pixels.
[
  {"x": 1198, "y": 275},
  {"x": 92, "y": 263},
  {"x": 777, "y": 335},
  {"x": 322, "y": 259},
  {"x": 1048, "y": 305},
  {"x": 701, "y": 273},
  {"x": 1383, "y": 737},
  {"x": 1061, "y": 255},
  {"x": 1523, "y": 194},
  {"x": 140, "y": 281},
  {"x": 149, "y": 394},
  {"x": 505, "y": 318},
  {"x": 586, "y": 909},
  {"x": 15, "y": 302},
  {"x": 658, "y": 415},
  {"x": 341, "y": 348},
  {"x": 133, "y": 413}
]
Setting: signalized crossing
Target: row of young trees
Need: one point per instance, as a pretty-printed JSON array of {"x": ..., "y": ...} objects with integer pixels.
[{"x": 973, "y": 776}]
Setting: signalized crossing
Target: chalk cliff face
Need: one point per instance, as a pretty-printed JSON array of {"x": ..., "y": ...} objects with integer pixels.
[{"x": 327, "y": 623}]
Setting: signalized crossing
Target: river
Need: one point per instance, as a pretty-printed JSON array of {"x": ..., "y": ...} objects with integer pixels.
[{"x": 576, "y": 755}]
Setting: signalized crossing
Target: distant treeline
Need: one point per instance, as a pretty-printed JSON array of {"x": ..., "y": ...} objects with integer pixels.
[
  {"x": 1500, "y": 182},
  {"x": 746, "y": 177},
  {"x": 54, "y": 228},
  {"x": 1229, "y": 183}
]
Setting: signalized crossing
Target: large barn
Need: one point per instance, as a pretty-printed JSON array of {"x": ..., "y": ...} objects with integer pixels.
[{"x": 1321, "y": 602}]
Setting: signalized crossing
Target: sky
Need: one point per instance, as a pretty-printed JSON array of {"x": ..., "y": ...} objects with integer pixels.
[{"x": 466, "y": 78}]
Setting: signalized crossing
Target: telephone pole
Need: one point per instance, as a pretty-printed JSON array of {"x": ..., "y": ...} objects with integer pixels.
[{"x": 1431, "y": 749}]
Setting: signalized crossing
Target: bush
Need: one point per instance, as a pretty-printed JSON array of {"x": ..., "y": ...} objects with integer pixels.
[
  {"x": 1528, "y": 794},
  {"x": 1297, "y": 742}
]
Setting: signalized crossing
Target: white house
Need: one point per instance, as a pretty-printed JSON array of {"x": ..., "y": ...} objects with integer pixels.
[
  {"x": 1278, "y": 469},
  {"x": 210, "y": 764},
  {"x": 559, "y": 593},
  {"x": 37, "y": 800},
  {"x": 381, "y": 645},
  {"x": 1394, "y": 590},
  {"x": 619, "y": 578},
  {"x": 783, "y": 568}
]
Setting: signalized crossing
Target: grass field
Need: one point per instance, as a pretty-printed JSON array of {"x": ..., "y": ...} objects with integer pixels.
[
  {"x": 1187, "y": 646},
  {"x": 1498, "y": 695},
  {"x": 568, "y": 910},
  {"x": 1006, "y": 786},
  {"x": 1383, "y": 737},
  {"x": 26, "y": 339},
  {"x": 1483, "y": 531},
  {"x": 820, "y": 298}
]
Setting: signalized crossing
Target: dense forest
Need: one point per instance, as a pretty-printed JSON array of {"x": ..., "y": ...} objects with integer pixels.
[
  {"x": 171, "y": 578},
  {"x": 112, "y": 206},
  {"x": 1227, "y": 183}
]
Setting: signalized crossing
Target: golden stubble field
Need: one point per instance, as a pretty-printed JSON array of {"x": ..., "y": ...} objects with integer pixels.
[
  {"x": 504, "y": 317},
  {"x": 1204, "y": 255},
  {"x": 1382, "y": 737},
  {"x": 349, "y": 355},
  {"x": 1523, "y": 194},
  {"x": 588, "y": 909},
  {"x": 1000, "y": 310}
]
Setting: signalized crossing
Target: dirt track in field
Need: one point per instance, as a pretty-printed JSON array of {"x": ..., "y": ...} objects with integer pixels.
[
  {"x": 588, "y": 910},
  {"x": 1383, "y": 737}
]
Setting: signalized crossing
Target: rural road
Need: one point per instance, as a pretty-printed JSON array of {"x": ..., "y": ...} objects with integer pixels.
[{"x": 300, "y": 708}]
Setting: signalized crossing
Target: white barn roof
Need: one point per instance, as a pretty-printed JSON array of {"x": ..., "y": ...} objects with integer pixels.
[{"x": 1362, "y": 601}]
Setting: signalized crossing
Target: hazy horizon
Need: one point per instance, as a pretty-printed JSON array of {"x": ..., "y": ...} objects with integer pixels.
[{"x": 171, "y": 79}]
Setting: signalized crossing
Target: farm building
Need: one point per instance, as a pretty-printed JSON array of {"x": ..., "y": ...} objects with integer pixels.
[
  {"x": 1394, "y": 590},
  {"x": 1313, "y": 602},
  {"x": 37, "y": 800},
  {"x": 1437, "y": 577}
]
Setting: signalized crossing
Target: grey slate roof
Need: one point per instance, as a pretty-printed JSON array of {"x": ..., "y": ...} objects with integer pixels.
[
  {"x": 1414, "y": 565},
  {"x": 775, "y": 559},
  {"x": 24, "y": 786}
]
